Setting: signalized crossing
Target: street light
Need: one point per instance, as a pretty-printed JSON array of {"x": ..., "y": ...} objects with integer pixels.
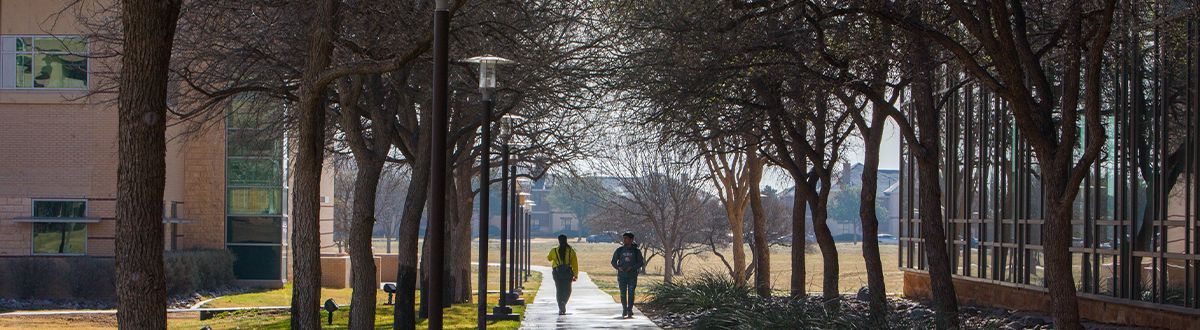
[
  {"x": 487, "y": 84},
  {"x": 522, "y": 244},
  {"x": 502, "y": 311},
  {"x": 437, "y": 162},
  {"x": 529, "y": 239}
]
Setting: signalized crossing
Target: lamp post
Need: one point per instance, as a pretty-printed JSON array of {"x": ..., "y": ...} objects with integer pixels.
[
  {"x": 487, "y": 84},
  {"x": 502, "y": 311},
  {"x": 513, "y": 296},
  {"x": 522, "y": 243},
  {"x": 529, "y": 239},
  {"x": 437, "y": 160}
]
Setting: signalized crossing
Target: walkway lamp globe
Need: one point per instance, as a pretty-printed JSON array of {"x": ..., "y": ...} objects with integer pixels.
[
  {"x": 487, "y": 70},
  {"x": 508, "y": 124}
]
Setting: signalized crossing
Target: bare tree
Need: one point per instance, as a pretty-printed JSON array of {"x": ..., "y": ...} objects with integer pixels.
[{"x": 656, "y": 191}]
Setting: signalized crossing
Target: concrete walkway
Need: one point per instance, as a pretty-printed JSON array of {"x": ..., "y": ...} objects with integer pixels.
[{"x": 588, "y": 308}]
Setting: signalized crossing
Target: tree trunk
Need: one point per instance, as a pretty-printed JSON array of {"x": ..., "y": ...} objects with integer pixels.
[
  {"x": 737, "y": 223},
  {"x": 829, "y": 254},
  {"x": 933, "y": 233},
  {"x": 668, "y": 262},
  {"x": 149, "y": 33},
  {"x": 870, "y": 220},
  {"x": 799, "y": 240},
  {"x": 1059, "y": 276},
  {"x": 310, "y": 149},
  {"x": 762, "y": 250},
  {"x": 459, "y": 246},
  {"x": 406, "y": 245},
  {"x": 362, "y": 257}
]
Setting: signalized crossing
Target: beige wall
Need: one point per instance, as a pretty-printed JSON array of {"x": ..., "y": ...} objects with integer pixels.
[
  {"x": 56, "y": 144},
  {"x": 63, "y": 144}
]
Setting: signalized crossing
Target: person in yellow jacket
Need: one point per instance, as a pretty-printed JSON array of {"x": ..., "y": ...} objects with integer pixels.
[{"x": 565, "y": 268}]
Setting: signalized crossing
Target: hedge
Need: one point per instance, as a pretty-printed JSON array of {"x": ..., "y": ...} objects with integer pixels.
[{"x": 90, "y": 278}]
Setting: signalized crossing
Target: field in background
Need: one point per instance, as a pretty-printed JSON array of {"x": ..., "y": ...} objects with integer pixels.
[{"x": 594, "y": 258}]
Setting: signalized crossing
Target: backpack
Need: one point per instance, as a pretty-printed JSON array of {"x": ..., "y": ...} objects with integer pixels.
[{"x": 563, "y": 270}]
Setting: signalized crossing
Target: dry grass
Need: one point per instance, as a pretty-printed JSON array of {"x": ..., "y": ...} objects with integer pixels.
[{"x": 594, "y": 258}]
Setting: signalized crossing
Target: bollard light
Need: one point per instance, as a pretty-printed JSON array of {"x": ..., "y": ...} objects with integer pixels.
[
  {"x": 330, "y": 306},
  {"x": 391, "y": 290}
]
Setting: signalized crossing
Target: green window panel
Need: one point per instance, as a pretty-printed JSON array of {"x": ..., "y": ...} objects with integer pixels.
[
  {"x": 44, "y": 62},
  {"x": 253, "y": 143},
  {"x": 59, "y": 238},
  {"x": 256, "y": 262},
  {"x": 66, "y": 71},
  {"x": 254, "y": 172},
  {"x": 24, "y": 71},
  {"x": 59, "y": 209},
  {"x": 254, "y": 201},
  {"x": 257, "y": 230},
  {"x": 254, "y": 113}
]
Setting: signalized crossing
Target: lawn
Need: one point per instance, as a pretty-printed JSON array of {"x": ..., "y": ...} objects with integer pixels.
[{"x": 460, "y": 316}]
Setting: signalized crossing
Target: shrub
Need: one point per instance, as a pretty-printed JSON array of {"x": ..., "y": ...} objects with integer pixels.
[
  {"x": 57, "y": 278},
  {"x": 101, "y": 283},
  {"x": 90, "y": 278},
  {"x": 720, "y": 303},
  {"x": 707, "y": 291},
  {"x": 189, "y": 271}
]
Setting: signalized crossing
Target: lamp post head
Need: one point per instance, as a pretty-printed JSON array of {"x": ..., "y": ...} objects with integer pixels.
[
  {"x": 507, "y": 122},
  {"x": 487, "y": 69}
]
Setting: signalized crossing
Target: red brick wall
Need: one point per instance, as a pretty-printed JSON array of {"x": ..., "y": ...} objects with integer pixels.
[{"x": 974, "y": 292}]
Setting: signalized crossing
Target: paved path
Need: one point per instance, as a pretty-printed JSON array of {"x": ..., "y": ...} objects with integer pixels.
[{"x": 589, "y": 308}]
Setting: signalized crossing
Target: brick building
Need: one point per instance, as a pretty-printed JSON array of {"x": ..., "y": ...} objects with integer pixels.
[{"x": 226, "y": 186}]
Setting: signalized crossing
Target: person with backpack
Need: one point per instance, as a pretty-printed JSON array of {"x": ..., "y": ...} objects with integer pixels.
[
  {"x": 628, "y": 261},
  {"x": 565, "y": 269}
]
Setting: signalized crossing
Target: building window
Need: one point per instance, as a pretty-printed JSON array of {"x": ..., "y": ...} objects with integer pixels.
[
  {"x": 43, "y": 62},
  {"x": 254, "y": 183},
  {"x": 59, "y": 238},
  {"x": 67, "y": 238}
]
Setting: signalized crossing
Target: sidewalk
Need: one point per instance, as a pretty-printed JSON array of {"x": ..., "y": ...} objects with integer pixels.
[{"x": 589, "y": 308}]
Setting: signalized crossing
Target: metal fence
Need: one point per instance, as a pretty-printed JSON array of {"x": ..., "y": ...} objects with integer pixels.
[{"x": 1135, "y": 228}]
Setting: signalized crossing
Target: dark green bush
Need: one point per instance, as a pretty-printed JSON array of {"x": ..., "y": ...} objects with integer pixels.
[
  {"x": 101, "y": 283},
  {"x": 189, "y": 271},
  {"x": 57, "y": 278},
  {"x": 90, "y": 278},
  {"x": 723, "y": 304},
  {"x": 707, "y": 291}
]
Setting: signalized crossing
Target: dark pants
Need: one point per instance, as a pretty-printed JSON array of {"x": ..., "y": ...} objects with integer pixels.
[
  {"x": 562, "y": 284},
  {"x": 627, "y": 283}
]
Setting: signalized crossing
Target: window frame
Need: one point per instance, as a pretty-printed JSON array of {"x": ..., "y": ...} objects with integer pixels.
[
  {"x": 33, "y": 233},
  {"x": 87, "y": 85}
]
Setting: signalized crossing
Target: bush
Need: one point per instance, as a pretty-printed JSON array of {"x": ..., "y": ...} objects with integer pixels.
[
  {"x": 90, "y": 278},
  {"x": 57, "y": 278},
  {"x": 190, "y": 271},
  {"x": 101, "y": 283},
  {"x": 720, "y": 303}
]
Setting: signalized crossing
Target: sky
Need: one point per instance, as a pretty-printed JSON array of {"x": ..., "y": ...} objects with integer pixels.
[{"x": 889, "y": 157}]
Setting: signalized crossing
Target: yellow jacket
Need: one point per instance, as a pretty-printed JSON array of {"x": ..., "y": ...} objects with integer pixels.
[{"x": 571, "y": 260}]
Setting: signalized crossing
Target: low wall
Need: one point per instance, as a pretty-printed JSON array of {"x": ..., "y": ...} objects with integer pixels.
[
  {"x": 335, "y": 271},
  {"x": 1097, "y": 309}
]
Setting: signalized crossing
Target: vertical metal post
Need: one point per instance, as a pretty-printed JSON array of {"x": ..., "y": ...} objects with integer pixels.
[
  {"x": 485, "y": 176},
  {"x": 437, "y": 162},
  {"x": 504, "y": 195},
  {"x": 512, "y": 257},
  {"x": 528, "y": 242}
]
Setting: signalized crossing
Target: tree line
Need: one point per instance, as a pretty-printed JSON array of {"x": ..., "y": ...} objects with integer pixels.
[{"x": 745, "y": 83}]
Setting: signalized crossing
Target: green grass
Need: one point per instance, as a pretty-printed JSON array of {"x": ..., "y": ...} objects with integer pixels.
[
  {"x": 280, "y": 297},
  {"x": 460, "y": 316}
]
